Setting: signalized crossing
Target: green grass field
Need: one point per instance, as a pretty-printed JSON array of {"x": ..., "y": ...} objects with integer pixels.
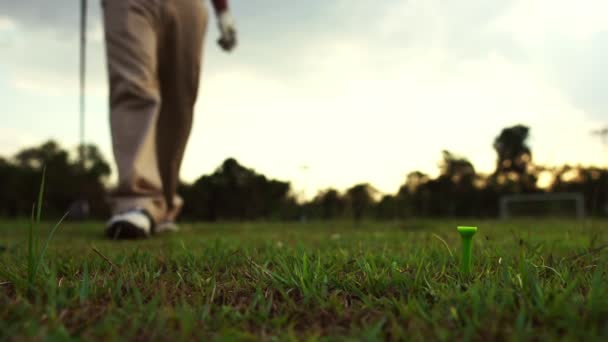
[{"x": 531, "y": 280}]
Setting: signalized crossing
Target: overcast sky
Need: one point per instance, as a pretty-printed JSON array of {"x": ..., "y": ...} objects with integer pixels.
[{"x": 358, "y": 90}]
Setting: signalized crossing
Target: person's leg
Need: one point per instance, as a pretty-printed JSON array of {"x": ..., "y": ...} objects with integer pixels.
[
  {"x": 180, "y": 53},
  {"x": 131, "y": 33}
]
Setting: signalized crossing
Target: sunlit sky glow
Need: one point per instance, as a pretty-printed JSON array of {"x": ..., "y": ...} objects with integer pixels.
[{"x": 358, "y": 90}]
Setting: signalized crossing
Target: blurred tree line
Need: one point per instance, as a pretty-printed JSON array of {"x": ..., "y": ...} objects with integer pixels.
[
  {"x": 67, "y": 180},
  {"x": 235, "y": 192}
]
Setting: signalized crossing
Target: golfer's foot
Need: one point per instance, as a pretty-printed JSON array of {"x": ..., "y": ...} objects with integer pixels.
[
  {"x": 166, "y": 227},
  {"x": 133, "y": 224}
]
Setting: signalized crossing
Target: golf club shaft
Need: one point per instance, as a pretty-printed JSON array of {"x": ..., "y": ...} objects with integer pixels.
[{"x": 83, "y": 44}]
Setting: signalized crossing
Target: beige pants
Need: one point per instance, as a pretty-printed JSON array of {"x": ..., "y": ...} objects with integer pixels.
[{"x": 154, "y": 51}]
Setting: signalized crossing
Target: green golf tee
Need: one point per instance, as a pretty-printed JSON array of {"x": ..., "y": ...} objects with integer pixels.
[{"x": 466, "y": 233}]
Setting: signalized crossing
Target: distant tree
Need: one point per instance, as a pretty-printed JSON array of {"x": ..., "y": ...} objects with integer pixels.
[
  {"x": 48, "y": 154},
  {"x": 65, "y": 180},
  {"x": 514, "y": 161},
  {"x": 389, "y": 207},
  {"x": 95, "y": 164},
  {"x": 514, "y": 154},
  {"x": 589, "y": 181},
  {"x": 11, "y": 204},
  {"x": 361, "y": 200},
  {"x": 234, "y": 192},
  {"x": 62, "y": 179},
  {"x": 453, "y": 193},
  {"x": 456, "y": 169},
  {"x": 456, "y": 183},
  {"x": 329, "y": 204},
  {"x": 414, "y": 180},
  {"x": 413, "y": 197}
]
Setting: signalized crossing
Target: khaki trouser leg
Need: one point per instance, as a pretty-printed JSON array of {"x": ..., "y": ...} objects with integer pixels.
[
  {"x": 185, "y": 26},
  {"x": 154, "y": 50}
]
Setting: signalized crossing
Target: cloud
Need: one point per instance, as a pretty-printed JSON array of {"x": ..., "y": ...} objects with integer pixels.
[
  {"x": 567, "y": 42},
  {"x": 6, "y": 23},
  {"x": 7, "y": 29},
  {"x": 531, "y": 21},
  {"x": 62, "y": 17},
  {"x": 42, "y": 63}
]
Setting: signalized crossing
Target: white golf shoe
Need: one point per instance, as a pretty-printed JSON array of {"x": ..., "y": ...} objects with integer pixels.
[{"x": 133, "y": 224}]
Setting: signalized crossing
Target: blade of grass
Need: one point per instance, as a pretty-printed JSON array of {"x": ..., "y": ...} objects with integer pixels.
[
  {"x": 40, "y": 196},
  {"x": 46, "y": 243},
  {"x": 444, "y": 243},
  {"x": 84, "y": 287},
  {"x": 39, "y": 211},
  {"x": 30, "y": 248},
  {"x": 32, "y": 242},
  {"x": 104, "y": 257}
]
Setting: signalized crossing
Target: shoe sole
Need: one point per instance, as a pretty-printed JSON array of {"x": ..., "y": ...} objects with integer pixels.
[
  {"x": 164, "y": 228},
  {"x": 125, "y": 231}
]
